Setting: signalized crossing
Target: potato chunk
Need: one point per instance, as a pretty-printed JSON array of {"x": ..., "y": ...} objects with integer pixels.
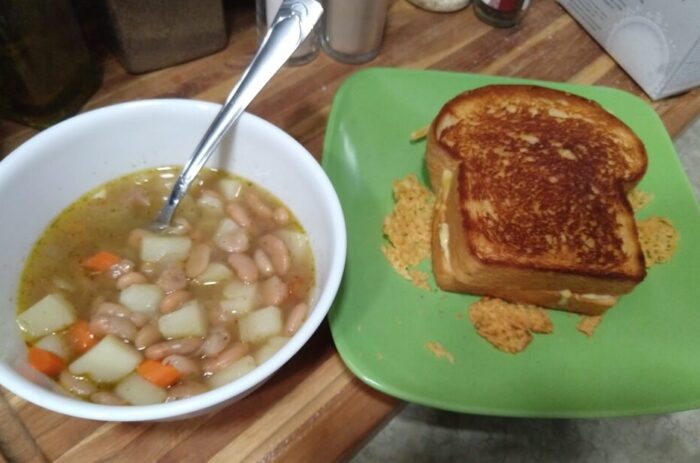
[
  {"x": 54, "y": 343},
  {"x": 260, "y": 324},
  {"x": 108, "y": 361},
  {"x": 239, "y": 298},
  {"x": 50, "y": 314},
  {"x": 214, "y": 273},
  {"x": 269, "y": 349},
  {"x": 232, "y": 372},
  {"x": 225, "y": 226},
  {"x": 138, "y": 391},
  {"x": 155, "y": 248},
  {"x": 298, "y": 245},
  {"x": 142, "y": 297},
  {"x": 189, "y": 320},
  {"x": 230, "y": 188}
]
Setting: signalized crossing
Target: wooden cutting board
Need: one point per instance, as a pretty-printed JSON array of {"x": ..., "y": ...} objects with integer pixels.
[{"x": 314, "y": 409}]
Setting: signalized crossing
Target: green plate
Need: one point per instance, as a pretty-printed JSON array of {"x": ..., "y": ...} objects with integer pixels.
[{"x": 643, "y": 358}]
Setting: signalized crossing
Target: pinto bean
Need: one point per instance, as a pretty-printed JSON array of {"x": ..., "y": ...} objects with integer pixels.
[
  {"x": 211, "y": 202},
  {"x": 216, "y": 341},
  {"x": 198, "y": 235},
  {"x": 239, "y": 214},
  {"x": 234, "y": 241},
  {"x": 257, "y": 205},
  {"x": 129, "y": 279},
  {"x": 172, "y": 278},
  {"x": 185, "y": 365},
  {"x": 147, "y": 336},
  {"x": 244, "y": 267},
  {"x": 114, "y": 309},
  {"x": 263, "y": 262},
  {"x": 198, "y": 260},
  {"x": 185, "y": 389},
  {"x": 295, "y": 318},
  {"x": 102, "y": 325},
  {"x": 281, "y": 216},
  {"x": 211, "y": 193},
  {"x": 236, "y": 352},
  {"x": 182, "y": 346},
  {"x": 174, "y": 300},
  {"x": 118, "y": 310},
  {"x": 139, "y": 319},
  {"x": 273, "y": 291},
  {"x": 75, "y": 384},
  {"x": 277, "y": 251},
  {"x": 180, "y": 227},
  {"x": 107, "y": 398},
  {"x": 217, "y": 316}
]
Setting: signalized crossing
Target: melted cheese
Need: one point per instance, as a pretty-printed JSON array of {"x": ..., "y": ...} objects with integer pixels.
[{"x": 444, "y": 235}]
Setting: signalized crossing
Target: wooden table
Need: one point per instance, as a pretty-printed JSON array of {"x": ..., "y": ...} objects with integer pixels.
[{"x": 315, "y": 409}]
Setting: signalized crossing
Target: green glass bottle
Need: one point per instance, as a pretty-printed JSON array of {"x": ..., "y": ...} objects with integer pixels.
[{"x": 47, "y": 72}]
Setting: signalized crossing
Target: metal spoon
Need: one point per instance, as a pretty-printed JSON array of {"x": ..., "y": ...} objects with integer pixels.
[{"x": 293, "y": 23}]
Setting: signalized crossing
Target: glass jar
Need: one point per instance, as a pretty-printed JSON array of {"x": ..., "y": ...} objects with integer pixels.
[
  {"x": 155, "y": 34},
  {"x": 441, "y": 6},
  {"x": 265, "y": 12},
  {"x": 501, "y": 13},
  {"x": 47, "y": 72},
  {"x": 354, "y": 29}
]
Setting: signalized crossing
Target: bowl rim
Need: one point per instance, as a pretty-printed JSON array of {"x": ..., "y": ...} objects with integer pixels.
[{"x": 28, "y": 390}]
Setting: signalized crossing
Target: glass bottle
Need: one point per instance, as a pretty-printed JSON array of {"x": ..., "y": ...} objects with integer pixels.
[
  {"x": 265, "y": 12},
  {"x": 501, "y": 13},
  {"x": 47, "y": 72}
]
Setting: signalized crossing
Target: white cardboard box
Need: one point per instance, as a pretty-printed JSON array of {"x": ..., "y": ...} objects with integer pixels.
[{"x": 656, "y": 41}]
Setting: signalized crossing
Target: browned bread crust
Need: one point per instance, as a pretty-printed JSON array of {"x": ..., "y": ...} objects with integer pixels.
[
  {"x": 537, "y": 196},
  {"x": 586, "y": 304}
]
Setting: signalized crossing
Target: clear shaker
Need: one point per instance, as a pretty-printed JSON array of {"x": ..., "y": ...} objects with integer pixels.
[
  {"x": 265, "y": 11},
  {"x": 353, "y": 29}
]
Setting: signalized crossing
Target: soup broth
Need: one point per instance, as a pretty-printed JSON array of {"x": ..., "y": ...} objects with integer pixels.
[{"x": 118, "y": 314}]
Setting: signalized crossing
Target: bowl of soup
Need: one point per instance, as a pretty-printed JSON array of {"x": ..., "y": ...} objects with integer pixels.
[{"x": 104, "y": 318}]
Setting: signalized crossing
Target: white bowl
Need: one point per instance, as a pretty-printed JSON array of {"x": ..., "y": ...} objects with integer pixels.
[{"x": 57, "y": 166}]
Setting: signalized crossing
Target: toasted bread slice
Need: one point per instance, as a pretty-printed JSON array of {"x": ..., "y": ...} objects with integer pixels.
[
  {"x": 586, "y": 304},
  {"x": 531, "y": 197}
]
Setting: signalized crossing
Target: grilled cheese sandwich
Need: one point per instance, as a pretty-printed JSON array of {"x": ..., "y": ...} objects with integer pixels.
[{"x": 531, "y": 201}]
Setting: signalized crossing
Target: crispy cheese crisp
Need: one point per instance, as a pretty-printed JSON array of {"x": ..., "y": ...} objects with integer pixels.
[
  {"x": 508, "y": 326},
  {"x": 407, "y": 229},
  {"x": 588, "y": 324},
  {"x": 439, "y": 351},
  {"x": 419, "y": 279},
  {"x": 420, "y": 133},
  {"x": 639, "y": 199},
  {"x": 658, "y": 238}
]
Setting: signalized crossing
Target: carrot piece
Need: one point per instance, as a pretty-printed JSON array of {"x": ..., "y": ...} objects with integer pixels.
[
  {"x": 45, "y": 362},
  {"x": 158, "y": 373},
  {"x": 80, "y": 337},
  {"x": 101, "y": 261}
]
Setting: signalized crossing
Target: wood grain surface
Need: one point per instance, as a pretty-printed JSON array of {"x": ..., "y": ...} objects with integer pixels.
[{"x": 314, "y": 409}]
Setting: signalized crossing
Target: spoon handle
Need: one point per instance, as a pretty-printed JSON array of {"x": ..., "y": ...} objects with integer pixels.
[{"x": 293, "y": 23}]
